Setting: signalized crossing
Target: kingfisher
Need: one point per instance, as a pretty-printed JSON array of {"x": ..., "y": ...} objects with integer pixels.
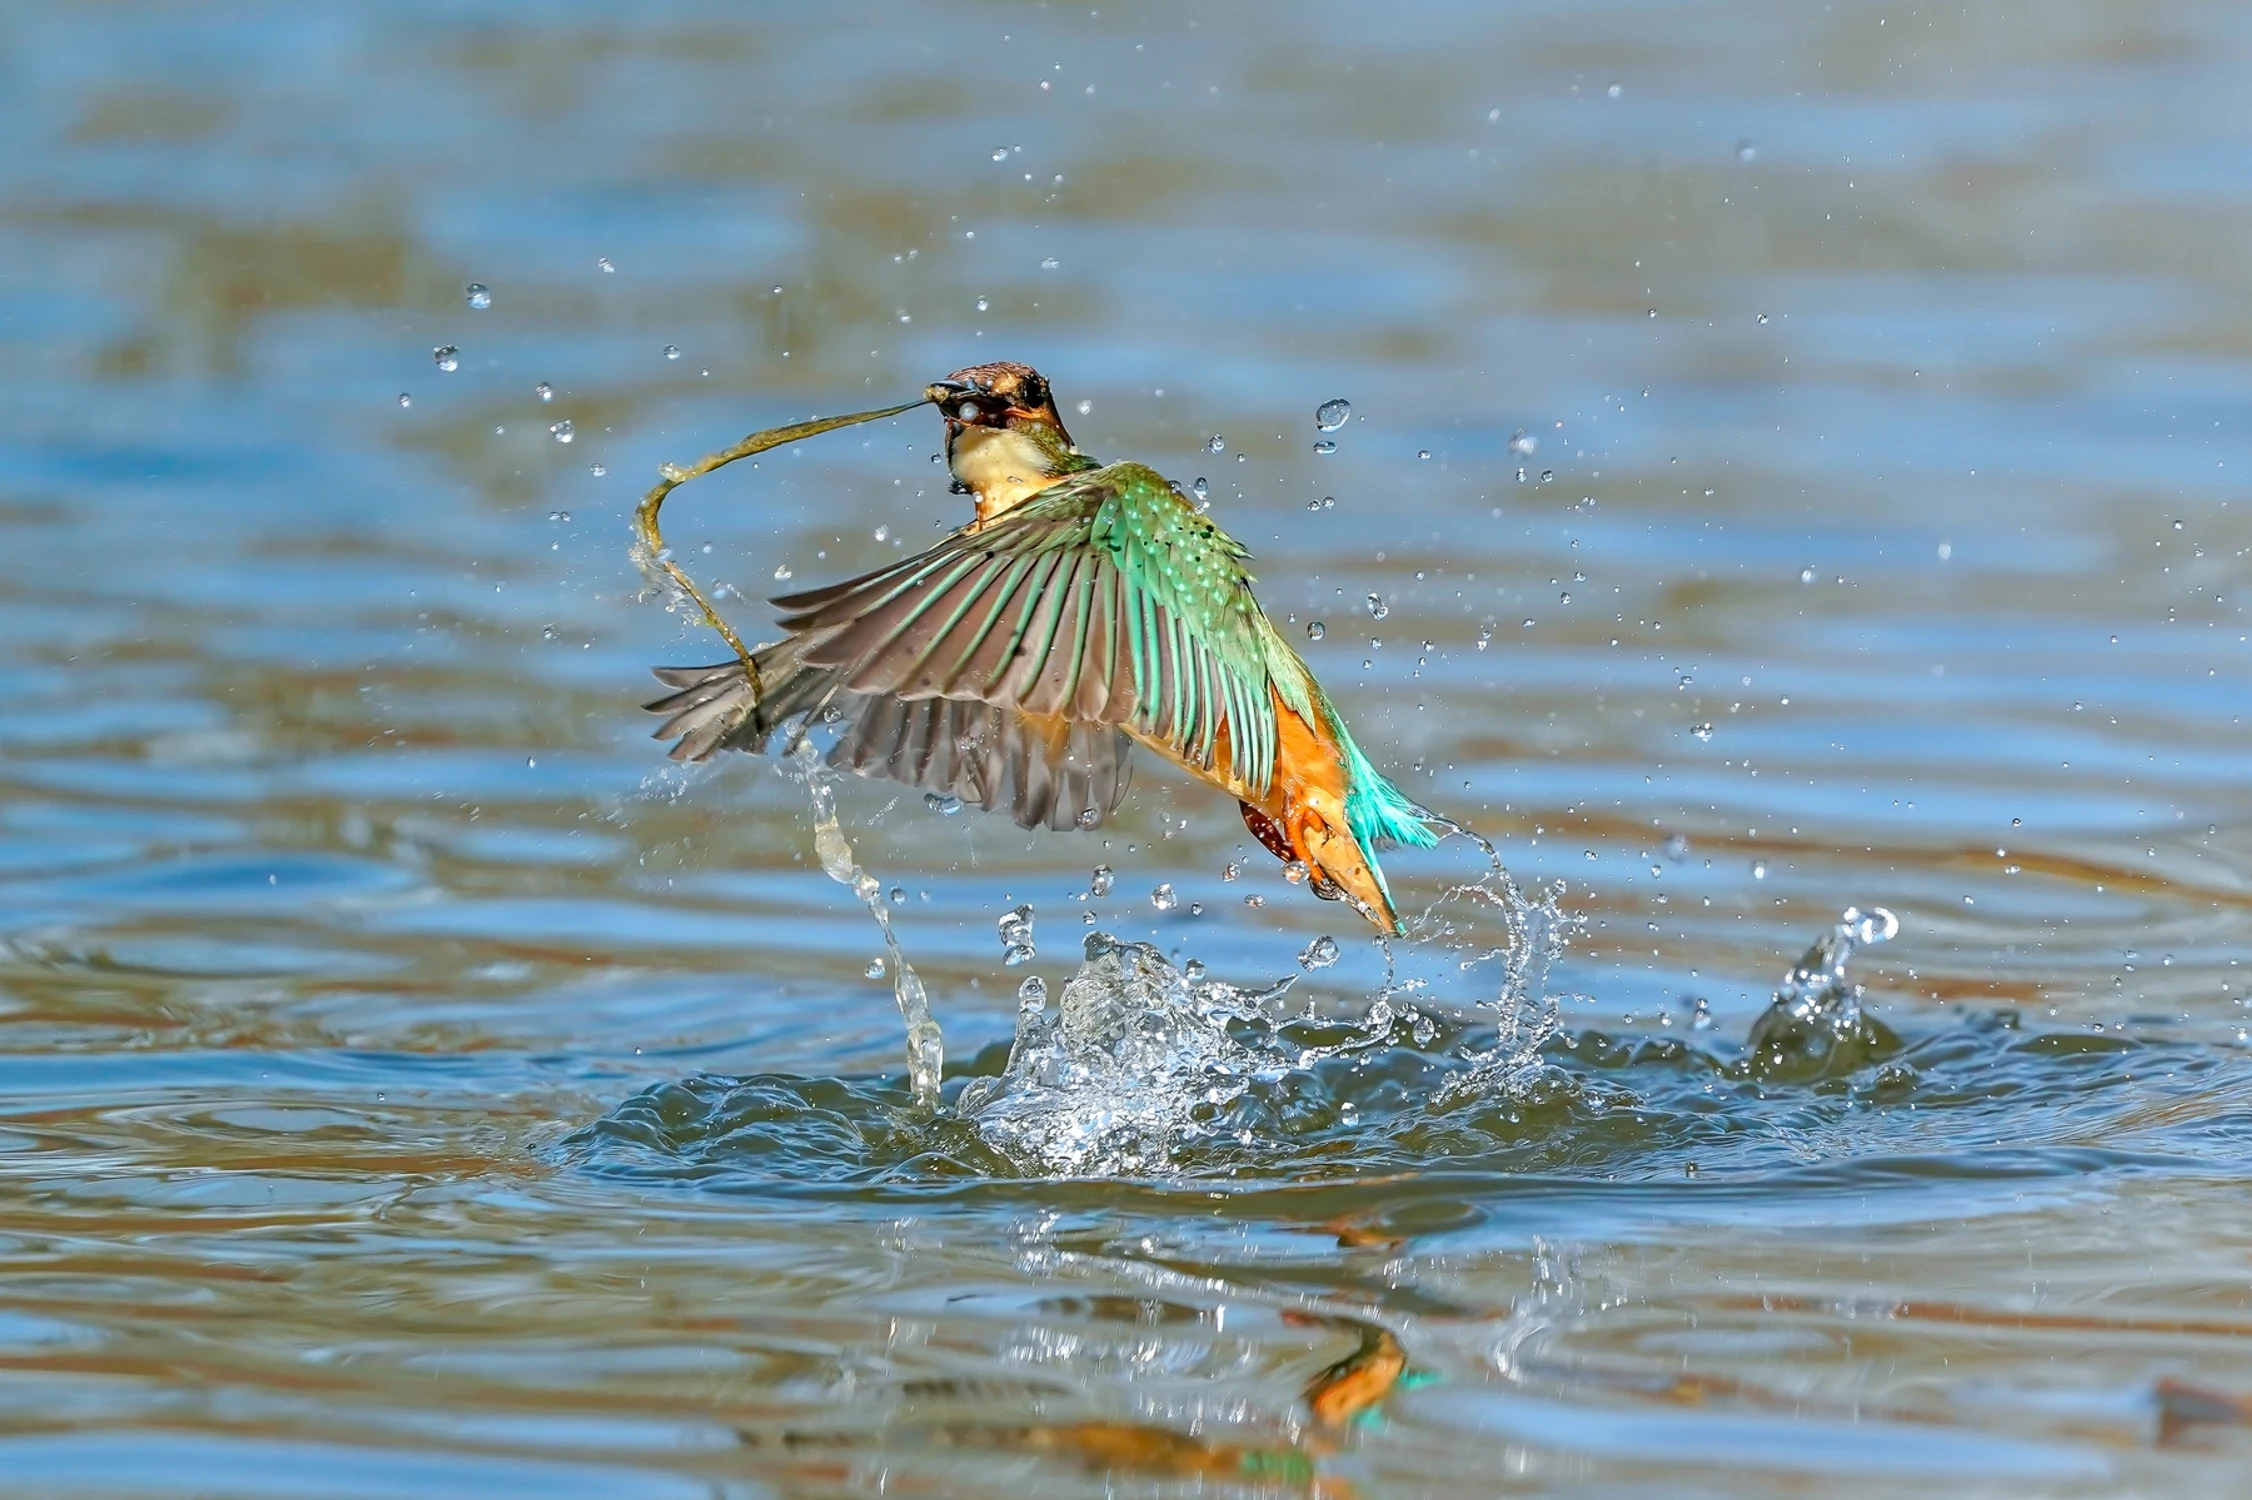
[{"x": 1085, "y": 607}]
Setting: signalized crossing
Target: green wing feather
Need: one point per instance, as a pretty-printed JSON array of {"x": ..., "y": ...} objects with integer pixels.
[{"x": 1103, "y": 599}]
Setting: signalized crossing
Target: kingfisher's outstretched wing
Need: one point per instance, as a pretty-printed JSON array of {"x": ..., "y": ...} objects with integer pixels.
[
  {"x": 1045, "y": 773},
  {"x": 1103, "y": 600}
]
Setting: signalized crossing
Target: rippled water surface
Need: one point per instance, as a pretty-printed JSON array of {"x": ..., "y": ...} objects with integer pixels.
[{"x": 1795, "y": 462}]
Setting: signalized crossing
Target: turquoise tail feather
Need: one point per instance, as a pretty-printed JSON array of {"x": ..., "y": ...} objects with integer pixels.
[{"x": 1377, "y": 810}]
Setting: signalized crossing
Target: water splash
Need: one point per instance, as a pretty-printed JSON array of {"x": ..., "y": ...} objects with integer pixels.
[
  {"x": 1537, "y": 935},
  {"x": 1142, "y": 1066},
  {"x": 1017, "y": 946},
  {"x": 1815, "y": 1026},
  {"x": 1136, "y": 1063},
  {"x": 926, "y": 1048}
]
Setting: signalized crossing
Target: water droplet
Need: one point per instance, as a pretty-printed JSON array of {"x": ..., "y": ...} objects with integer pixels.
[
  {"x": 1000, "y": 153},
  {"x": 1016, "y": 936},
  {"x": 559, "y": 515},
  {"x": 1806, "y": 575},
  {"x": 1318, "y": 954},
  {"x": 1377, "y": 608},
  {"x": 1613, "y": 91},
  {"x": 447, "y": 358},
  {"x": 875, "y": 969},
  {"x": 1215, "y": 444},
  {"x": 405, "y": 399},
  {"x": 883, "y": 533},
  {"x": 561, "y": 430},
  {"x": 1329, "y": 502},
  {"x": 1676, "y": 847},
  {"x": 1522, "y": 442},
  {"x": 480, "y": 296},
  {"x": 1763, "y": 317},
  {"x": 1231, "y": 871},
  {"x": 781, "y": 572},
  {"x": 1294, "y": 871},
  {"x": 1315, "y": 630},
  {"x": 597, "y": 470},
  {"x": 1050, "y": 263},
  {"x": 1423, "y": 453},
  {"x": 1877, "y": 926},
  {"x": 549, "y": 632},
  {"x": 1086, "y": 407},
  {"x": 944, "y": 806},
  {"x": 1200, "y": 488},
  {"x": 1946, "y": 550},
  {"x": 1746, "y": 150},
  {"x": 983, "y": 303},
  {"x": 1331, "y": 415},
  {"x": 544, "y": 391},
  {"x": 602, "y": 263},
  {"x": 1759, "y": 869},
  {"x": 1325, "y": 447},
  {"x": 899, "y": 895},
  {"x": 1702, "y": 731},
  {"x": 1100, "y": 882},
  {"x": 672, "y": 351},
  {"x": 1163, "y": 898},
  {"x": 1548, "y": 476}
]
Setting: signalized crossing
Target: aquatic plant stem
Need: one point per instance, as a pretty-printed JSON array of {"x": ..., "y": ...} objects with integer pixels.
[{"x": 652, "y": 552}]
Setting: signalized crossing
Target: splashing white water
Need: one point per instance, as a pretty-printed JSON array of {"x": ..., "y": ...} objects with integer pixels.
[
  {"x": 1537, "y": 935},
  {"x": 1142, "y": 1061},
  {"x": 1135, "y": 1062},
  {"x": 1816, "y": 1013},
  {"x": 926, "y": 1048}
]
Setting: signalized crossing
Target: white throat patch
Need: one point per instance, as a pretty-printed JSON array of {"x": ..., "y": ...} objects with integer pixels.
[{"x": 1003, "y": 468}]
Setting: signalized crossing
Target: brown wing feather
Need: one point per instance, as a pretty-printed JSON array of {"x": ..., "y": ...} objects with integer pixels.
[{"x": 1048, "y": 773}]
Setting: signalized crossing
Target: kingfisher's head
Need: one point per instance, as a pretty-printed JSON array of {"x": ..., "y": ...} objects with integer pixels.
[{"x": 1005, "y": 440}]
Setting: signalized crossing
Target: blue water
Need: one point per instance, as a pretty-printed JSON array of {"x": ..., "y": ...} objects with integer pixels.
[{"x": 412, "y": 1083}]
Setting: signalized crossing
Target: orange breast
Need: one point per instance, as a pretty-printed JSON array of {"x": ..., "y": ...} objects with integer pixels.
[
  {"x": 1301, "y": 814},
  {"x": 1309, "y": 770}
]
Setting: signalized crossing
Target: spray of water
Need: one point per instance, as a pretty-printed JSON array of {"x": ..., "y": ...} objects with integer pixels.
[
  {"x": 1537, "y": 935},
  {"x": 1816, "y": 1024},
  {"x": 1136, "y": 1063},
  {"x": 926, "y": 1048},
  {"x": 1142, "y": 1063}
]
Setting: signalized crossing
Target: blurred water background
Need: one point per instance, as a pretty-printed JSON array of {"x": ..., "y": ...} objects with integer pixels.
[{"x": 1796, "y": 462}]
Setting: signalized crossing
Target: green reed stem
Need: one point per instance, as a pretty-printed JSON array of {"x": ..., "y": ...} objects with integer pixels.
[{"x": 672, "y": 476}]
